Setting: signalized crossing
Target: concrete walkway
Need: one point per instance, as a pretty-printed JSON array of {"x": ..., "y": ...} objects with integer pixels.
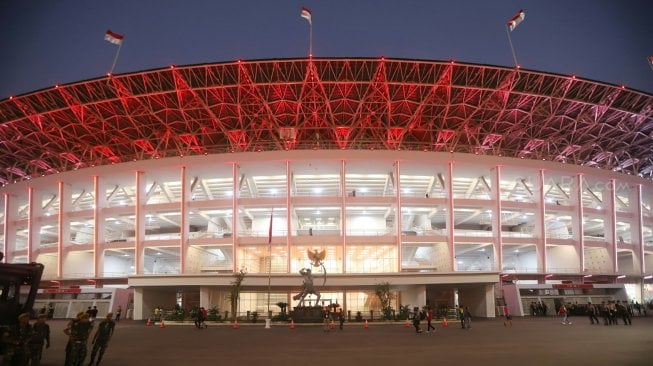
[{"x": 531, "y": 341}]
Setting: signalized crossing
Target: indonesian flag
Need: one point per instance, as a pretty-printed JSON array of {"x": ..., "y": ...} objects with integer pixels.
[
  {"x": 114, "y": 38},
  {"x": 306, "y": 14},
  {"x": 518, "y": 18},
  {"x": 650, "y": 61}
]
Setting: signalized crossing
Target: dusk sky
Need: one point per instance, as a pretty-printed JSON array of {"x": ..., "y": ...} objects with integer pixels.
[{"x": 47, "y": 42}]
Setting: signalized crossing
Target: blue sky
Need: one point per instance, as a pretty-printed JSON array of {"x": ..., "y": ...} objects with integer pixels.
[{"x": 56, "y": 42}]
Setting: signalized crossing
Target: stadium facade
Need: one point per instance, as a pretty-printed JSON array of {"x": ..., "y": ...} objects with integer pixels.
[{"x": 446, "y": 180}]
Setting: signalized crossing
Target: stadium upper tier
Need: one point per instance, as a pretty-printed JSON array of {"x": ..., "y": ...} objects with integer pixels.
[{"x": 294, "y": 104}]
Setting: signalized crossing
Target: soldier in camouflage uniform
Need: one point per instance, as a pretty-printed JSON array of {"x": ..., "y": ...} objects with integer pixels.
[
  {"x": 41, "y": 335},
  {"x": 17, "y": 341},
  {"x": 102, "y": 337},
  {"x": 78, "y": 332}
]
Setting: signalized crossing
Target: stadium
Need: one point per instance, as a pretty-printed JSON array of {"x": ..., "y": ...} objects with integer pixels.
[{"x": 454, "y": 183}]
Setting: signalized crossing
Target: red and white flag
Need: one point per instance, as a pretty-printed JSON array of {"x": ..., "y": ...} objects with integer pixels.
[
  {"x": 306, "y": 14},
  {"x": 518, "y": 18},
  {"x": 114, "y": 38},
  {"x": 650, "y": 61}
]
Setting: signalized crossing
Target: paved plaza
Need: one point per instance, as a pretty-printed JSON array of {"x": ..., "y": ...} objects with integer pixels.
[{"x": 531, "y": 341}]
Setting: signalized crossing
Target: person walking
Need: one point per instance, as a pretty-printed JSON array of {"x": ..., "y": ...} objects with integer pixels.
[
  {"x": 325, "y": 319},
  {"x": 507, "y": 316},
  {"x": 416, "y": 319},
  {"x": 118, "y": 313},
  {"x": 16, "y": 340},
  {"x": 101, "y": 338},
  {"x": 78, "y": 332},
  {"x": 591, "y": 312},
  {"x": 40, "y": 336},
  {"x": 429, "y": 319},
  {"x": 341, "y": 318},
  {"x": 461, "y": 316},
  {"x": 468, "y": 318},
  {"x": 565, "y": 316}
]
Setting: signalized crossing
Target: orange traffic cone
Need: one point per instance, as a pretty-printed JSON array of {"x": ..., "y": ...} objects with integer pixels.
[
  {"x": 445, "y": 323},
  {"x": 366, "y": 325},
  {"x": 292, "y": 324},
  {"x": 407, "y": 323},
  {"x": 163, "y": 324},
  {"x": 148, "y": 322},
  {"x": 235, "y": 324}
]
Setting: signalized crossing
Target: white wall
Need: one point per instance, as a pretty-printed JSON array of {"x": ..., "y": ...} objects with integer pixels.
[
  {"x": 366, "y": 224},
  {"x": 78, "y": 264},
  {"x": 414, "y": 296},
  {"x": 479, "y": 299},
  {"x": 598, "y": 260},
  {"x": 49, "y": 262},
  {"x": 562, "y": 258},
  {"x": 261, "y": 226},
  {"x": 117, "y": 265}
]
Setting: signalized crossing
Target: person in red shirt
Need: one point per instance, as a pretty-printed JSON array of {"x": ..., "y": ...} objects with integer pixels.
[
  {"x": 429, "y": 319},
  {"x": 565, "y": 314}
]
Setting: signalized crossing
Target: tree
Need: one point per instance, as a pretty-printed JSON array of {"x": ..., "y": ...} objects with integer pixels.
[
  {"x": 283, "y": 306},
  {"x": 382, "y": 291},
  {"x": 234, "y": 291}
]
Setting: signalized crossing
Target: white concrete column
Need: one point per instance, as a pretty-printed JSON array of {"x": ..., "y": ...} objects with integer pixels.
[
  {"x": 140, "y": 312},
  {"x": 205, "y": 297},
  {"x": 398, "y": 213},
  {"x": 288, "y": 215},
  {"x": 11, "y": 212},
  {"x": 235, "y": 174},
  {"x": 139, "y": 222},
  {"x": 414, "y": 296},
  {"x": 343, "y": 212},
  {"x": 184, "y": 226},
  {"x": 577, "y": 218},
  {"x": 495, "y": 189},
  {"x": 610, "y": 223},
  {"x": 540, "y": 222},
  {"x": 33, "y": 227},
  {"x": 99, "y": 223},
  {"x": 637, "y": 226},
  {"x": 63, "y": 239},
  {"x": 450, "y": 220}
]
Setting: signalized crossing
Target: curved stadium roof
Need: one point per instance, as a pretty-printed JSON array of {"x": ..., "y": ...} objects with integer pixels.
[{"x": 326, "y": 104}]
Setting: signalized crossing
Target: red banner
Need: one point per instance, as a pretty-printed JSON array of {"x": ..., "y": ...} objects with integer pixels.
[
  {"x": 573, "y": 285},
  {"x": 62, "y": 290}
]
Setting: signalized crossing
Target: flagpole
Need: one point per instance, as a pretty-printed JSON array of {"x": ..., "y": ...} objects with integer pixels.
[
  {"x": 115, "y": 59},
  {"x": 512, "y": 48},
  {"x": 310, "y": 39}
]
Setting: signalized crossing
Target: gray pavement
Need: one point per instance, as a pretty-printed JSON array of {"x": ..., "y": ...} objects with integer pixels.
[{"x": 531, "y": 341}]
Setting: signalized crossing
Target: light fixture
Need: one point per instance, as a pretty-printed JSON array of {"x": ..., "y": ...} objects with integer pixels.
[{"x": 587, "y": 276}]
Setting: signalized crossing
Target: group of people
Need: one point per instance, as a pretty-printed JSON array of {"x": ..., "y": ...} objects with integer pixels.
[
  {"x": 463, "y": 313},
  {"x": 78, "y": 331},
  {"x": 329, "y": 316},
  {"x": 610, "y": 311},
  {"x": 538, "y": 308},
  {"x": 200, "y": 317},
  {"x": 24, "y": 342}
]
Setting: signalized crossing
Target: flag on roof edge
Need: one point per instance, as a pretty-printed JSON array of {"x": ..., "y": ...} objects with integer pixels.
[
  {"x": 114, "y": 38},
  {"x": 650, "y": 60},
  {"x": 306, "y": 14},
  {"x": 518, "y": 18}
]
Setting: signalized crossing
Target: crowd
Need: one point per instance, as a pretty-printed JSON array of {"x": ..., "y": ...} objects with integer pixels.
[{"x": 23, "y": 343}]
